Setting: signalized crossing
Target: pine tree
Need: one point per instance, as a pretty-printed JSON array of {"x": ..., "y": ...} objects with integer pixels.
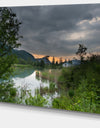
[
  {"x": 60, "y": 60},
  {"x": 53, "y": 60}
]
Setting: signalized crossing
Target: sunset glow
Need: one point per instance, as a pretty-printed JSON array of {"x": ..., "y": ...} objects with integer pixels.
[
  {"x": 56, "y": 58},
  {"x": 50, "y": 58}
]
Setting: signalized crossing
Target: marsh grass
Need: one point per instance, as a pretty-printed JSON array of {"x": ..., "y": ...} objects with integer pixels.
[{"x": 50, "y": 74}]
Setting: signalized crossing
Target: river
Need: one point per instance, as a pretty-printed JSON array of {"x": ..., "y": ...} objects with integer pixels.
[{"x": 26, "y": 78}]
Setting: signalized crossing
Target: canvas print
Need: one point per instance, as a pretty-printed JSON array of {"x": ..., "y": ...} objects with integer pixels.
[{"x": 50, "y": 56}]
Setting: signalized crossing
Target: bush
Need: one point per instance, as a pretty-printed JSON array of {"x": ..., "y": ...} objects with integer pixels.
[
  {"x": 71, "y": 93},
  {"x": 36, "y": 100},
  {"x": 8, "y": 92},
  {"x": 52, "y": 86}
]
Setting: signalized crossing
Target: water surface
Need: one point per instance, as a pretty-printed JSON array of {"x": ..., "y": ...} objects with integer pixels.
[{"x": 26, "y": 78}]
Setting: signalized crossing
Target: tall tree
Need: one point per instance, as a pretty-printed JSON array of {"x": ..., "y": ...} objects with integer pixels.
[
  {"x": 60, "y": 60},
  {"x": 42, "y": 64},
  {"x": 9, "y": 35},
  {"x": 53, "y": 60},
  {"x": 65, "y": 60},
  {"x": 81, "y": 52},
  {"x": 56, "y": 62}
]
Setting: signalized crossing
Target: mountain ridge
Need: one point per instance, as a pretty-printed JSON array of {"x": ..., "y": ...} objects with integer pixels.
[{"x": 23, "y": 55}]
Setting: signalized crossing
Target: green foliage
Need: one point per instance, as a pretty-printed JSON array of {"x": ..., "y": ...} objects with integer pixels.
[
  {"x": 23, "y": 57},
  {"x": 62, "y": 103},
  {"x": 82, "y": 87},
  {"x": 52, "y": 86},
  {"x": 71, "y": 92},
  {"x": 9, "y": 35},
  {"x": 9, "y": 27},
  {"x": 8, "y": 92},
  {"x": 42, "y": 64},
  {"x": 44, "y": 90},
  {"x": 13, "y": 92},
  {"x": 37, "y": 73},
  {"x": 53, "y": 65},
  {"x": 36, "y": 100},
  {"x": 80, "y": 102},
  {"x": 51, "y": 77},
  {"x": 21, "y": 61},
  {"x": 44, "y": 74},
  {"x": 87, "y": 93},
  {"x": 65, "y": 79}
]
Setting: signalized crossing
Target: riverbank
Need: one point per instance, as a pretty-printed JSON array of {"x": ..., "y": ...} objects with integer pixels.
[
  {"x": 49, "y": 74},
  {"x": 76, "y": 87},
  {"x": 21, "y": 65}
]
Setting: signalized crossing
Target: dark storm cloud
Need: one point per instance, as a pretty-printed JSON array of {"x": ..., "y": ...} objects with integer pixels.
[{"x": 51, "y": 30}]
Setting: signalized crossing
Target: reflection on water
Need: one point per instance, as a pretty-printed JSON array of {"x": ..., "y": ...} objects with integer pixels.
[
  {"x": 22, "y": 73},
  {"x": 29, "y": 81},
  {"x": 26, "y": 78}
]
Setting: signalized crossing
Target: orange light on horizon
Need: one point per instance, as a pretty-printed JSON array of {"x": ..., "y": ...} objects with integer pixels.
[
  {"x": 37, "y": 55},
  {"x": 50, "y": 57},
  {"x": 71, "y": 57}
]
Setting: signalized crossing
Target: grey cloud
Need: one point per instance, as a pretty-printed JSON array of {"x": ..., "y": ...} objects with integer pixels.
[{"x": 43, "y": 26}]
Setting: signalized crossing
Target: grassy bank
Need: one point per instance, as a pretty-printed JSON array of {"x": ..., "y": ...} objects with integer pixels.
[
  {"x": 49, "y": 74},
  {"x": 78, "y": 86},
  {"x": 21, "y": 65},
  {"x": 82, "y": 88}
]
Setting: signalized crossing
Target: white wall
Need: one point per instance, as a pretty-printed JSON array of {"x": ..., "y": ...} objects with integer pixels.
[{"x": 18, "y": 116}]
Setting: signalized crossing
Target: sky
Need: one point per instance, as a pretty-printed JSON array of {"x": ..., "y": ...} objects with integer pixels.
[{"x": 58, "y": 29}]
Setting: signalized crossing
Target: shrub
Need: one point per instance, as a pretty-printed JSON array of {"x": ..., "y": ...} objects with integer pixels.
[
  {"x": 36, "y": 100},
  {"x": 52, "y": 86},
  {"x": 71, "y": 93}
]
